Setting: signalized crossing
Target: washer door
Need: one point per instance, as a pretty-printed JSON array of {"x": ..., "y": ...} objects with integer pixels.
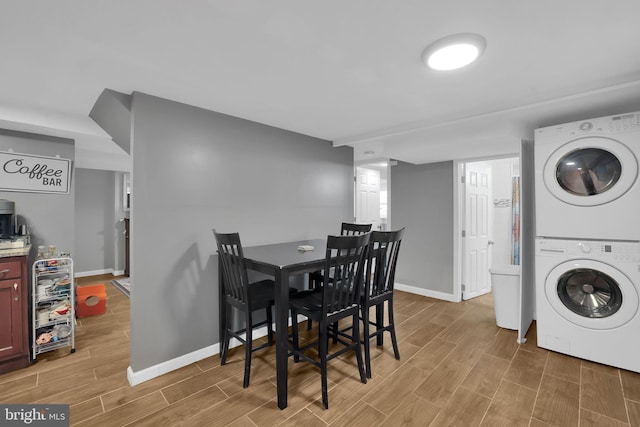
[
  {"x": 591, "y": 294},
  {"x": 590, "y": 171}
]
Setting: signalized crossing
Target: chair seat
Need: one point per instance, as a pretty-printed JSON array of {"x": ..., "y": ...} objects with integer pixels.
[
  {"x": 262, "y": 294},
  {"x": 308, "y": 303}
]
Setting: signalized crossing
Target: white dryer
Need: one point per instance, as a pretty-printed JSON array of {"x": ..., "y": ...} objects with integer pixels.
[
  {"x": 587, "y": 300},
  {"x": 586, "y": 179}
]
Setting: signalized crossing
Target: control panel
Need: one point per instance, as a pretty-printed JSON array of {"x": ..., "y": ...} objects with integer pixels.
[
  {"x": 612, "y": 124},
  {"x": 615, "y": 251}
]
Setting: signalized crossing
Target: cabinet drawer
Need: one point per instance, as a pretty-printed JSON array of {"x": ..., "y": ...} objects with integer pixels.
[{"x": 10, "y": 269}]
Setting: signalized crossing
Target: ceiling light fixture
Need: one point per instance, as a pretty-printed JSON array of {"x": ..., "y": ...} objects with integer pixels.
[{"x": 455, "y": 51}]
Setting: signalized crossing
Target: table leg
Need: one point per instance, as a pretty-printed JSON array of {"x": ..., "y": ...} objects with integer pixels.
[{"x": 282, "y": 335}]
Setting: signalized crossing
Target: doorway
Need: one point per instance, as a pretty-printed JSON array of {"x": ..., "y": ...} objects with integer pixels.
[
  {"x": 126, "y": 209},
  {"x": 488, "y": 211},
  {"x": 371, "y": 204}
]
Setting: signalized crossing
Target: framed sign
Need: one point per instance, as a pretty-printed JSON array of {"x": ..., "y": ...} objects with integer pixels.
[{"x": 34, "y": 174}]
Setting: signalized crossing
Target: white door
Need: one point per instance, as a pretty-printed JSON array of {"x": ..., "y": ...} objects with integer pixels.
[
  {"x": 368, "y": 197},
  {"x": 478, "y": 230}
]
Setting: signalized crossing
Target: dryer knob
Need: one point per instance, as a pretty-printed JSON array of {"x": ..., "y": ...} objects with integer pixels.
[
  {"x": 586, "y": 126},
  {"x": 586, "y": 248}
]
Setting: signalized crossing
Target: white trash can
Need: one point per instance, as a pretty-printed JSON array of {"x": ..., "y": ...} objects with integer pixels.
[{"x": 505, "y": 283}]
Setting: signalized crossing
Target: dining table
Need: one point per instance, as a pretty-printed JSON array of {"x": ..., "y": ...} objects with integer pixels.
[{"x": 281, "y": 261}]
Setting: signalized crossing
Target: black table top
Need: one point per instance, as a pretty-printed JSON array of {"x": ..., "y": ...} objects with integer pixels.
[{"x": 287, "y": 254}]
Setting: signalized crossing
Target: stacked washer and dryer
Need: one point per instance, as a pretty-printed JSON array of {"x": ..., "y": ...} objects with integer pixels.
[{"x": 587, "y": 256}]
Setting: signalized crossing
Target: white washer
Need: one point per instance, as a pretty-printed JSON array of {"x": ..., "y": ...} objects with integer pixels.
[
  {"x": 586, "y": 179},
  {"x": 587, "y": 300}
]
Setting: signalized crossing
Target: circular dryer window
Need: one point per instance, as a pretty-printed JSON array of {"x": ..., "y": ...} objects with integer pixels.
[
  {"x": 591, "y": 294},
  {"x": 590, "y": 171}
]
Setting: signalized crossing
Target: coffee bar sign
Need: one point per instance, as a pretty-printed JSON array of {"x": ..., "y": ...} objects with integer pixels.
[{"x": 34, "y": 174}]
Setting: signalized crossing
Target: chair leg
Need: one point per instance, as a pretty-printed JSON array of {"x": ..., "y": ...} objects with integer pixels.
[
  {"x": 323, "y": 348},
  {"x": 248, "y": 346},
  {"x": 269, "y": 326},
  {"x": 309, "y": 324},
  {"x": 225, "y": 348},
  {"x": 380, "y": 323},
  {"x": 392, "y": 329},
  {"x": 367, "y": 337},
  {"x": 356, "y": 340},
  {"x": 295, "y": 338},
  {"x": 224, "y": 340}
]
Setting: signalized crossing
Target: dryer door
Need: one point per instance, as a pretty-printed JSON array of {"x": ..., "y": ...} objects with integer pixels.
[
  {"x": 590, "y": 171},
  {"x": 591, "y": 294}
]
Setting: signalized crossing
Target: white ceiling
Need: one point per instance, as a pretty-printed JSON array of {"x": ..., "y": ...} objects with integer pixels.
[{"x": 344, "y": 70}]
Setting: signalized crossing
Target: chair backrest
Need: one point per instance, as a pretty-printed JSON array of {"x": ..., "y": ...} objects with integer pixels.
[
  {"x": 345, "y": 259},
  {"x": 382, "y": 257},
  {"x": 348, "y": 229},
  {"x": 234, "y": 269}
]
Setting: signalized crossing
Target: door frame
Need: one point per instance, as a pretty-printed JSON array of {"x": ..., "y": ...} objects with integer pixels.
[
  {"x": 367, "y": 163},
  {"x": 459, "y": 217}
]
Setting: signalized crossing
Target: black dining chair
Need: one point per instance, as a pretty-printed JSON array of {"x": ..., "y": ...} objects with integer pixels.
[
  {"x": 338, "y": 298},
  {"x": 346, "y": 229},
  {"x": 244, "y": 296},
  {"x": 379, "y": 277}
]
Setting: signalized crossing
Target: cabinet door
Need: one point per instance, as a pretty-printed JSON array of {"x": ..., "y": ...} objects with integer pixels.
[{"x": 11, "y": 306}]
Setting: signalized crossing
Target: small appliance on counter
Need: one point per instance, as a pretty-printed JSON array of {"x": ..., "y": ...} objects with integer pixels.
[
  {"x": 11, "y": 242},
  {"x": 8, "y": 223}
]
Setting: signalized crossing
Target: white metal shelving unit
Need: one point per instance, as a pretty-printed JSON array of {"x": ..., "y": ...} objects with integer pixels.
[{"x": 53, "y": 305}]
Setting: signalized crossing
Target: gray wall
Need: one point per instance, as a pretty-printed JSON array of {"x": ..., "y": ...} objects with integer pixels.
[
  {"x": 50, "y": 217},
  {"x": 422, "y": 202},
  {"x": 97, "y": 221},
  {"x": 112, "y": 111},
  {"x": 195, "y": 170}
]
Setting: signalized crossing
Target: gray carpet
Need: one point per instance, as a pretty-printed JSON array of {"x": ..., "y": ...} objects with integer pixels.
[{"x": 123, "y": 285}]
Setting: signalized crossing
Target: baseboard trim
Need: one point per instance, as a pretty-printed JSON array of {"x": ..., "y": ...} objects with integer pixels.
[
  {"x": 94, "y": 272},
  {"x": 100, "y": 272},
  {"x": 152, "y": 372},
  {"x": 138, "y": 377},
  {"x": 427, "y": 292}
]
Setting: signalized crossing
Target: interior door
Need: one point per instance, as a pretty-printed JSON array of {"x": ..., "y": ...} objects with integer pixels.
[
  {"x": 478, "y": 230},
  {"x": 368, "y": 197}
]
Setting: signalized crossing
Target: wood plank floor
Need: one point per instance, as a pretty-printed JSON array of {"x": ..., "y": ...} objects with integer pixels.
[{"x": 457, "y": 369}]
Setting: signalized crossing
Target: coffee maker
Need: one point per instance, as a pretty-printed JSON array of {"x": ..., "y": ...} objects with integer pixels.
[{"x": 8, "y": 225}]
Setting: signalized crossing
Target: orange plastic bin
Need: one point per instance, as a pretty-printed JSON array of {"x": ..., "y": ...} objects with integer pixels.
[{"x": 92, "y": 300}]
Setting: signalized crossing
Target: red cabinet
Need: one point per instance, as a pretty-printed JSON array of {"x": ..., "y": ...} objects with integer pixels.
[{"x": 14, "y": 310}]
